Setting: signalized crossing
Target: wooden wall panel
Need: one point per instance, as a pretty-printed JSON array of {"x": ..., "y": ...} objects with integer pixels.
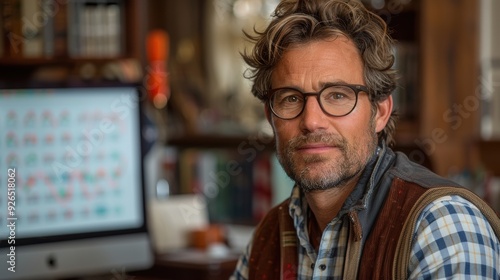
[{"x": 449, "y": 60}]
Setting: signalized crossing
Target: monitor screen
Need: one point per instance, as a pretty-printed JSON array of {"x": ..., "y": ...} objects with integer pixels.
[{"x": 72, "y": 163}]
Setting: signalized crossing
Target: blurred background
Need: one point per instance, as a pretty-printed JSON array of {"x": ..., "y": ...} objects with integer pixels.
[{"x": 206, "y": 135}]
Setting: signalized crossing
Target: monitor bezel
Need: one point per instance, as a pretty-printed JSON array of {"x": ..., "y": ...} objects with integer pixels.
[{"x": 141, "y": 95}]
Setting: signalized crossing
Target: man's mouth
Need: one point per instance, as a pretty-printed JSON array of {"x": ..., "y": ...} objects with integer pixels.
[{"x": 316, "y": 148}]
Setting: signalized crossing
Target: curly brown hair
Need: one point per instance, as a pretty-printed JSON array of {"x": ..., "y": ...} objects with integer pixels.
[{"x": 297, "y": 22}]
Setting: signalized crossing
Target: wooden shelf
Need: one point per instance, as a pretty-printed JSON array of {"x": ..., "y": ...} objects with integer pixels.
[
  {"x": 35, "y": 62},
  {"x": 220, "y": 141}
]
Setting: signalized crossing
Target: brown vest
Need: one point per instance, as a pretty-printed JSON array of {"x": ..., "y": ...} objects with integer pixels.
[{"x": 386, "y": 252}]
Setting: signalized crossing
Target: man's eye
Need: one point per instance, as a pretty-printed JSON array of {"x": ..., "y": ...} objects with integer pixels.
[
  {"x": 291, "y": 99},
  {"x": 337, "y": 95},
  {"x": 288, "y": 97}
]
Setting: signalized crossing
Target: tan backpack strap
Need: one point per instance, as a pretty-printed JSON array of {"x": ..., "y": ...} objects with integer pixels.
[
  {"x": 403, "y": 249},
  {"x": 353, "y": 254}
]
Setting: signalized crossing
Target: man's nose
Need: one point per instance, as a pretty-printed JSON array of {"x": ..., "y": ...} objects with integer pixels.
[{"x": 312, "y": 117}]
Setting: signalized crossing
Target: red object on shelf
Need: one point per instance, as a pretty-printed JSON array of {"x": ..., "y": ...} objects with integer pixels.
[{"x": 156, "y": 81}]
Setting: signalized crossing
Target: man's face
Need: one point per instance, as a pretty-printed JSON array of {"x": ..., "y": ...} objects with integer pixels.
[{"x": 319, "y": 151}]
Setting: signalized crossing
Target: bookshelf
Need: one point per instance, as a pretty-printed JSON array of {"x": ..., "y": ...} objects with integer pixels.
[
  {"x": 235, "y": 175},
  {"x": 60, "y": 42}
]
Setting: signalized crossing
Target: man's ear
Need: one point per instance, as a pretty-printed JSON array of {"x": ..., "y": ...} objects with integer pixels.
[{"x": 384, "y": 110}]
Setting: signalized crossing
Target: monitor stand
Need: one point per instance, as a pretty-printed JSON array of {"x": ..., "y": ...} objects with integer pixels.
[{"x": 113, "y": 255}]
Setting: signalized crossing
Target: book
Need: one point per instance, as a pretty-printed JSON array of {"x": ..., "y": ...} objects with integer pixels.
[
  {"x": 406, "y": 94},
  {"x": 75, "y": 12},
  {"x": 113, "y": 37},
  {"x": 262, "y": 192},
  {"x": 60, "y": 30},
  {"x": 242, "y": 191},
  {"x": 12, "y": 34},
  {"x": 2, "y": 50},
  {"x": 32, "y": 22},
  {"x": 50, "y": 8},
  {"x": 490, "y": 102}
]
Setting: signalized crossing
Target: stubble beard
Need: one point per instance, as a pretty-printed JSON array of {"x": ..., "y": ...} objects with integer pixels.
[{"x": 322, "y": 172}]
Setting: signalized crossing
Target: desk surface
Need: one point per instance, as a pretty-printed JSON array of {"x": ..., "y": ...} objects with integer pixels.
[{"x": 190, "y": 264}]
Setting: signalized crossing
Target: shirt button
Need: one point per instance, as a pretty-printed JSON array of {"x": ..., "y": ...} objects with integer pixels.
[
  {"x": 312, "y": 266},
  {"x": 322, "y": 267}
]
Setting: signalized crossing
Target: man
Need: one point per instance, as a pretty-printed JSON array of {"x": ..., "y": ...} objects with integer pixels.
[{"x": 358, "y": 209}]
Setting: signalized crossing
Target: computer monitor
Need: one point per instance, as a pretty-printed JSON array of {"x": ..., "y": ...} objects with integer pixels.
[{"x": 72, "y": 201}]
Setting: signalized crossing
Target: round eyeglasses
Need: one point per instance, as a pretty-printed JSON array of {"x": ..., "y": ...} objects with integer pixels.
[{"x": 334, "y": 99}]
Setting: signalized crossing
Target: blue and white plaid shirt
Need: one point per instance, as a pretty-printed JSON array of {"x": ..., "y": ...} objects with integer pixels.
[{"x": 452, "y": 240}]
